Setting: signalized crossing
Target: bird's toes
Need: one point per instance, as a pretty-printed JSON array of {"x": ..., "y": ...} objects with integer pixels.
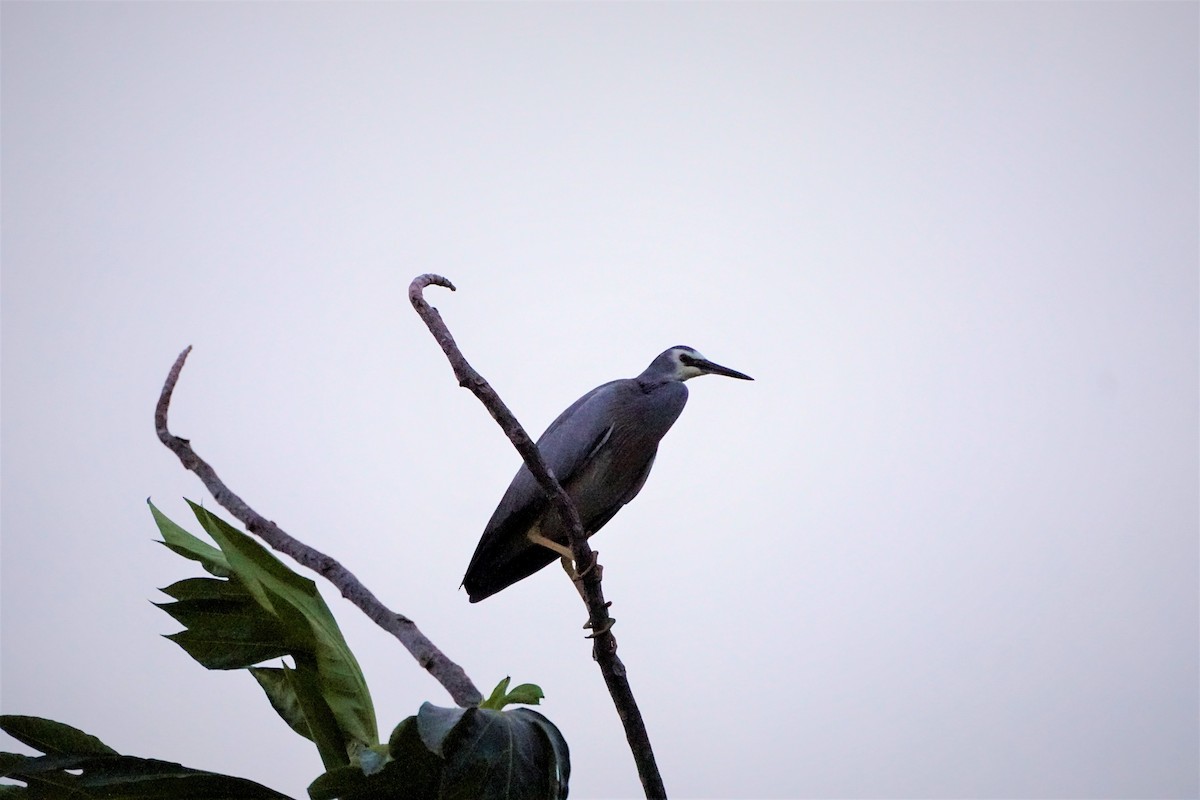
[
  {"x": 604, "y": 628},
  {"x": 594, "y": 565}
]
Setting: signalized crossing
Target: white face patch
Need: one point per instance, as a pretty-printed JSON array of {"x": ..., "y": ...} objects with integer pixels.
[{"x": 684, "y": 371}]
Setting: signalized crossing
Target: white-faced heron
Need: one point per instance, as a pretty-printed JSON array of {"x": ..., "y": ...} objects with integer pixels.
[{"x": 601, "y": 450}]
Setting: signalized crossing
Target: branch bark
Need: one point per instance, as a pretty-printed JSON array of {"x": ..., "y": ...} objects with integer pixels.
[
  {"x": 605, "y": 647},
  {"x": 450, "y": 675}
]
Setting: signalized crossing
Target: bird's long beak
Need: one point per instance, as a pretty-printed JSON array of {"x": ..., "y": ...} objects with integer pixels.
[{"x": 716, "y": 369}]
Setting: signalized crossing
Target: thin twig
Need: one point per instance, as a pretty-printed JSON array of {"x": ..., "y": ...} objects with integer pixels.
[
  {"x": 605, "y": 649},
  {"x": 446, "y": 672}
]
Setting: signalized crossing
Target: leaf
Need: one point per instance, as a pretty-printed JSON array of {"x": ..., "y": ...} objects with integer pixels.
[
  {"x": 435, "y": 723},
  {"x": 7, "y": 760},
  {"x": 526, "y": 693},
  {"x": 305, "y": 617},
  {"x": 372, "y": 760},
  {"x": 261, "y": 610},
  {"x": 226, "y": 628},
  {"x": 95, "y": 770},
  {"x": 490, "y": 754},
  {"x": 203, "y": 589},
  {"x": 188, "y": 546},
  {"x": 329, "y": 737},
  {"x": 411, "y": 773},
  {"x": 52, "y": 737},
  {"x": 496, "y": 698},
  {"x": 500, "y": 755},
  {"x": 560, "y": 753},
  {"x": 275, "y": 683}
]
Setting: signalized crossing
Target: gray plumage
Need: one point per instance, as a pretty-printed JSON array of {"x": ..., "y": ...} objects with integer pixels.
[{"x": 601, "y": 450}]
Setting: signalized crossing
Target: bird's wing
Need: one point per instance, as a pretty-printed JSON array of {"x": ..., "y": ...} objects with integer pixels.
[
  {"x": 613, "y": 429},
  {"x": 566, "y": 446}
]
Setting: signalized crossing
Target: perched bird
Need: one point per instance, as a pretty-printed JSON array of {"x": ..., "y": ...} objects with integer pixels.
[{"x": 601, "y": 450}]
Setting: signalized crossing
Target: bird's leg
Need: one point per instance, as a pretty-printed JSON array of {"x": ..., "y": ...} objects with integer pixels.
[
  {"x": 536, "y": 537},
  {"x": 565, "y": 554},
  {"x": 567, "y": 559}
]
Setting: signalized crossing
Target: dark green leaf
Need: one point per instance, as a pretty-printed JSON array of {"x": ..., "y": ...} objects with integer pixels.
[
  {"x": 52, "y": 737},
  {"x": 421, "y": 767},
  {"x": 226, "y": 628},
  {"x": 331, "y": 740},
  {"x": 560, "y": 759},
  {"x": 435, "y": 723},
  {"x": 412, "y": 773},
  {"x": 495, "y": 755},
  {"x": 225, "y": 652},
  {"x": 282, "y": 696},
  {"x": 371, "y": 760},
  {"x": 206, "y": 589},
  {"x": 261, "y": 611},
  {"x": 7, "y": 760},
  {"x": 498, "y": 755},
  {"x": 307, "y": 619},
  {"x": 95, "y": 770}
]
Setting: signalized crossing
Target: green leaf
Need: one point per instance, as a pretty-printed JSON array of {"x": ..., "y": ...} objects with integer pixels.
[
  {"x": 526, "y": 693},
  {"x": 484, "y": 755},
  {"x": 421, "y": 768},
  {"x": 188, "y": 546},
  {"x": 496, "y": 698},
  {"x": 205, "y": 589},
  {"x": 560, "y": 754},
  {"x": 7, "y": 760},
  {"x": 52, "y": 737},
  {"x": 411, "y": 773},
  {"x": 94, "y": 770},
  {"x": 282, "y": 696},
  {"x": 501, "y": 755},
  {"x": 261, "y": 610},
  {"x": 307, "y": 620},
  {"x": 372, "y": 760},
  {"x": 435, "y": 723},
  {"x": 495, "y": 755},
  {"x": 327, "y": 734}
]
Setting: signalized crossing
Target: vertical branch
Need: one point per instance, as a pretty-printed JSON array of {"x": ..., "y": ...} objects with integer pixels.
[{"x": 605, "y": 648}]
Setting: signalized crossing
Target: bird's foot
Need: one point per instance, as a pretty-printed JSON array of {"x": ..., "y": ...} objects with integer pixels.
[
  {"x": 577, "y": 575},
  {"x": 604, "y": 628},
  {"x": 594, "y": 565}
]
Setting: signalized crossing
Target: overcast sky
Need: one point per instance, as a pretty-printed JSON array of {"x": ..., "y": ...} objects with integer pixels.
[{"x": 945, "y": 545}]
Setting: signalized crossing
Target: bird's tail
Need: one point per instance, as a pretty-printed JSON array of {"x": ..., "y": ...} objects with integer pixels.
[{"x": 499, "y": 566}]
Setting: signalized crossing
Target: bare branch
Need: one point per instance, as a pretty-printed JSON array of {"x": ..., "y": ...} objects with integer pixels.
[
  {"x": 605, "y": 649},
  {"x": 446, "y": 672}
]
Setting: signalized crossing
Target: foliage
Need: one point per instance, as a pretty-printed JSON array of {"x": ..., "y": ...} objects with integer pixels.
[
  {"x": 255, "y": 609},
  {"x": 526, "y": 693},
  {"x": 461, "y": 754},
  {"x": 79, "y": 766}
]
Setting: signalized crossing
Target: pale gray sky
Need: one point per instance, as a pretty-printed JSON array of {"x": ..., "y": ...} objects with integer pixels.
[{"x": 946, "y": 545}]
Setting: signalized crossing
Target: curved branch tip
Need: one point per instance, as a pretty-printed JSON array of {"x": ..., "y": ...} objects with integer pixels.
[
  {"x": 421, "y": 281},
  {"x": 164, "y": 398}
]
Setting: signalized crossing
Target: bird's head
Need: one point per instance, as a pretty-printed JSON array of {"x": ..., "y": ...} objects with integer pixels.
[{"x": 682, "y": 362}]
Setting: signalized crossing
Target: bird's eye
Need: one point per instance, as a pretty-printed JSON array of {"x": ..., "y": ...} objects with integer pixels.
[{"x": 684, "y": 358}]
